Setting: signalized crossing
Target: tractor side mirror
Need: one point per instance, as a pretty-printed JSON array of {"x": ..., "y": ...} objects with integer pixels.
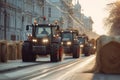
[{"x": 27, "y": 27}]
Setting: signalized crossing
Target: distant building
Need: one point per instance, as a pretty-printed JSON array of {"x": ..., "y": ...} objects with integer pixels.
[
  {"x": 88, "y": 22},
  {"x": 16, "y": 14},
  {"x": 53, "y": 11},
  {"x": 60, "y": 11},
  {"x": 68, "y": 13},
  {"x": 84, "y": 21},
  {"x": 78, "y": 23}
]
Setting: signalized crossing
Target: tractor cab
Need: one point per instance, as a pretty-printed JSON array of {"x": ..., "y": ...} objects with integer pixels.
[
  {"x": 41, "y": 31},
  {"x": 68, "y": 37}
]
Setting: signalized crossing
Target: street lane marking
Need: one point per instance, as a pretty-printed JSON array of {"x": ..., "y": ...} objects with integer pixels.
[{"x": 81, "y": 65}]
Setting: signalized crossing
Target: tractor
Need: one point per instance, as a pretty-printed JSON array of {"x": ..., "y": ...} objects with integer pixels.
[
  {"x": 43, "y": 41},
  {"x": 70, "y": 42},
  {"x": 86, "y": 45},
  {"x": 83, "y": 39},
  {"x": 83, "y": 42}
]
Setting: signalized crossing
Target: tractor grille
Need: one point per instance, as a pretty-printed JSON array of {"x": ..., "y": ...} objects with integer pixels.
[
  {"x": 65, "y": 43},
  {"x": 40, "y": 43}
]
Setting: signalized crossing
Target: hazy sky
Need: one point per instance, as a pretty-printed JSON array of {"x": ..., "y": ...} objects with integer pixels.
[{"x": 95, "y": 9}]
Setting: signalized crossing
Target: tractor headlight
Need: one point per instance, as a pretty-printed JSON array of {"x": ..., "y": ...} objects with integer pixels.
[
  {"x": 45, "y": 40},
  {"x": 62, "y": 43},
  {"x": 69, "y": 43},
  {"x": 94, "y": 47},
  {"x": 81, "y": 45},
  {"x": 34, "y": 40},
  {"x": 53, "y": 35}
]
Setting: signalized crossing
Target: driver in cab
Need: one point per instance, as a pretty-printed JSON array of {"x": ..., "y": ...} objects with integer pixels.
[{"x": 44, "y": 31}]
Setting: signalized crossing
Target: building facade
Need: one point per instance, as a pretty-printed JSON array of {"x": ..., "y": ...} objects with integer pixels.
[
  {"x": 16, "y": 14},
  {"x": 77, "y": 17},
  {"x": 68, "y": 13}
]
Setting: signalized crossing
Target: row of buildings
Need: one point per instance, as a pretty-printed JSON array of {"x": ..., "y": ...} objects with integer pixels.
[{"x": 16, "y": 14}]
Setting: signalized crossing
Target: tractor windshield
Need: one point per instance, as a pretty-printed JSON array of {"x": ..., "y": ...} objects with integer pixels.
[
  {"x": 81, "y": 40},
  {"x": 66, "y": 36},
  {"x": 43, "y": 32}
]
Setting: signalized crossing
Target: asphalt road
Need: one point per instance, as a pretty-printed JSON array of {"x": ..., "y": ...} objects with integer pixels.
[
  {"x": 68, "y": 69},
  {"x": 42, "y": 68}
]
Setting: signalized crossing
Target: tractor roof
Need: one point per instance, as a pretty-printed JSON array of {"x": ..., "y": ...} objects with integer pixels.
[
  {"x": 69, "y": 31},
  {"x": 47, "y": 25}
]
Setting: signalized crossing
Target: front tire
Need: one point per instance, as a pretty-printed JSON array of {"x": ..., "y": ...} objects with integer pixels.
[
  {"x": 27, "y": 54},
  {"x": 54, "y": 55}
]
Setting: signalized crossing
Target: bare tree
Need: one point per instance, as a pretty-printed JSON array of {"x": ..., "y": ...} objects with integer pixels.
[{"x": 113, "y": 20}]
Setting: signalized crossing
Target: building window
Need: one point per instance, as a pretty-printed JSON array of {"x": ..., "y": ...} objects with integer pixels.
[
  {"x": 13, "y": 37},
  {"x": 49, "y": 12}
]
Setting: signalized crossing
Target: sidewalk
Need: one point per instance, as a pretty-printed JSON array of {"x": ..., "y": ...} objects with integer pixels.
[
  {"x": 15, "y": 64},
  {"x": 18, "y": 64}
]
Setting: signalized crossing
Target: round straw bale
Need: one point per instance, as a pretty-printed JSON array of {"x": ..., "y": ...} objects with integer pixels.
[
  {"x": 108, "y": 53},
  {"x": 19, "y": 49},
  {"x": 12, "y": 51},
  {"x": 110, "y": 57},
  {"x": 3, "y": 51}
]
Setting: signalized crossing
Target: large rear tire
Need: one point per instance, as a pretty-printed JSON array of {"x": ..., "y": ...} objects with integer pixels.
[
  {"x": 27, "y": 54},
  {"x": 54, "y": 55}
]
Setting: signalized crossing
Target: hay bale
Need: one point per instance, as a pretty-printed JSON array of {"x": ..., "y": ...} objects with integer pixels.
[
  {"x": 111, "y": 52},
  {"x": 3, "y": 51},
  {"x": 19, "y": 49},
  {"x": 12, "y": 51},
  {"x": 108, "y": 54}
]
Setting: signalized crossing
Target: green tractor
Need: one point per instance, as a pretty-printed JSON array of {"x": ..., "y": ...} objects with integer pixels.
[
  {"x": 70, "y": 43},
  {"x": 43, "y": 41}
]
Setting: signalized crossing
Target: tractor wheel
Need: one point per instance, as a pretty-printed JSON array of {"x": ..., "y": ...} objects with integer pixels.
[
  {"x": 76, "y": 51},
  {"x": 27, "y": 55},
  {"x": 54, "y": 55}
]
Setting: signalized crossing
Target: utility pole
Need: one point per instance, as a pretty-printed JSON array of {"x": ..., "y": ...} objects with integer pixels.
[{"x": 5, "y": 20}]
